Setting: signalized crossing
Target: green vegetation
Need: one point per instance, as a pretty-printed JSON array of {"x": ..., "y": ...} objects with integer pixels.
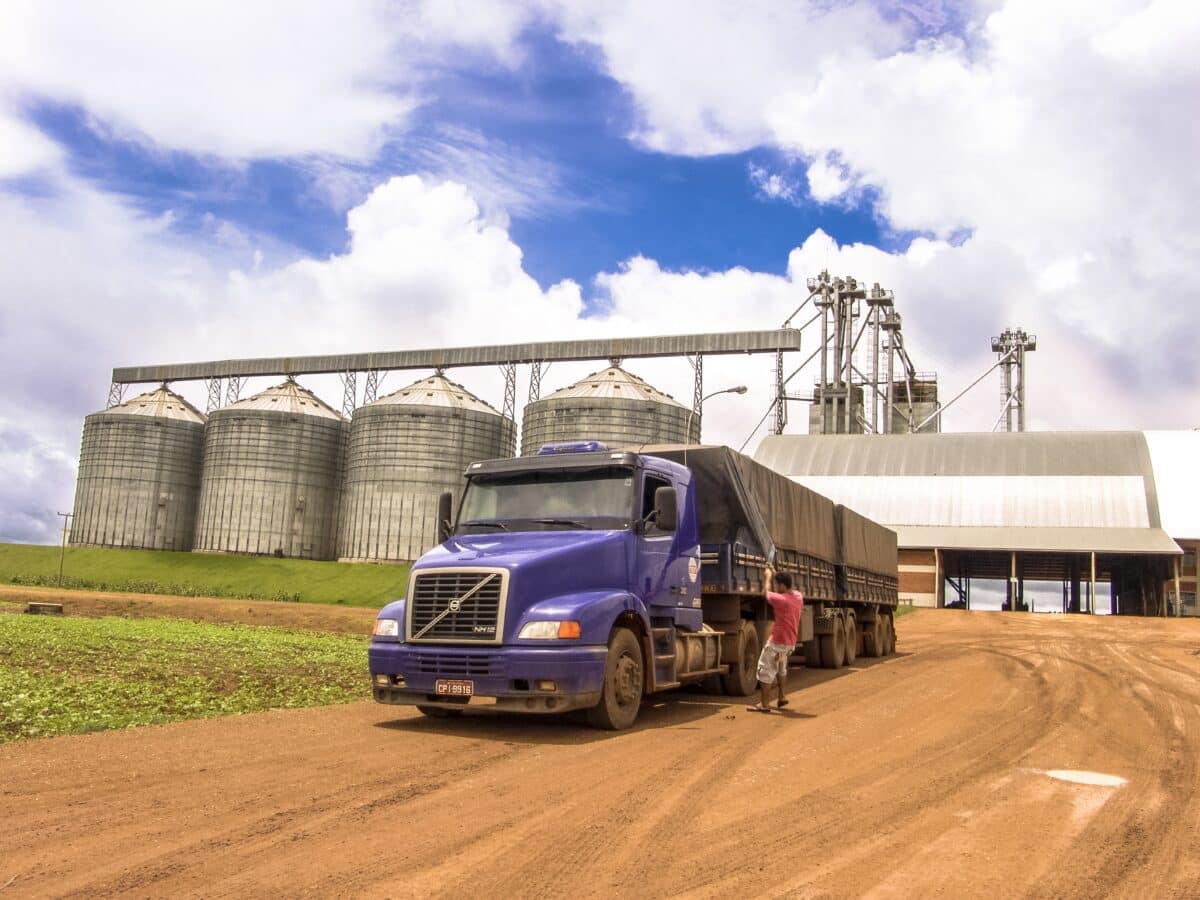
[
  {"x": 204, "y": 575},
  {"x": 70, "y": 675},
  {"x": 903, "y": 610}
]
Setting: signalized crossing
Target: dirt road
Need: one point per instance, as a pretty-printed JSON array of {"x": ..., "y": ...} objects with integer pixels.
[{"x": 923, "y": 775}]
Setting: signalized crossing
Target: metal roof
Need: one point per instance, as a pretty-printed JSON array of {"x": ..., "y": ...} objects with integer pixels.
[
  {"x": 436, "y": 390},
  {"x": 1016, "y": 453},
  {"x": 160, "y": 403},
  {"x": 1022, "y": 491},
  {"x": 614, "y": 383},
  {"x": 1054, "y": 501},
  {"x": 287, "y": 397},
  {"x": 448, "y": 357}
]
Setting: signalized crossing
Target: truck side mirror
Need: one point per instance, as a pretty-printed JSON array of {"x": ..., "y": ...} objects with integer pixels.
[
  {"x": 666, "y": 509},
  {"x": 445, "y": 503}
]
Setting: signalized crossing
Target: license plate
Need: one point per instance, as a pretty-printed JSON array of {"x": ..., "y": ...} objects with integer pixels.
[{"x": 445, "y": 687}]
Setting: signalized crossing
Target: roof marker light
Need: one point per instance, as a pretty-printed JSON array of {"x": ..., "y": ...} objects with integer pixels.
[{"x": 572, "y": 447}]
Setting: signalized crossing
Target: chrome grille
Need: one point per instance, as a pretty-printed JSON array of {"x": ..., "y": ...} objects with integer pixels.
[{"x": 477, "y": 617}]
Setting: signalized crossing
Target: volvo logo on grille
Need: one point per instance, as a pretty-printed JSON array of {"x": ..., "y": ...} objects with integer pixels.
[{"x": 455, "y": 605}]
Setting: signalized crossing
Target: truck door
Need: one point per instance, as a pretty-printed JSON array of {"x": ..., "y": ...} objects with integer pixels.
[{"x": 654, "y": 549}]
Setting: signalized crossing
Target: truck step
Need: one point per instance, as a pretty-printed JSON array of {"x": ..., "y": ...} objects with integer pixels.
[
  {"x": 667, "y": 685},
  {"x": 664, "y": 657}
]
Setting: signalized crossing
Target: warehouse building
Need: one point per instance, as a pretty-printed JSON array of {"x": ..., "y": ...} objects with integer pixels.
[{"x": 1056, "y": 521}]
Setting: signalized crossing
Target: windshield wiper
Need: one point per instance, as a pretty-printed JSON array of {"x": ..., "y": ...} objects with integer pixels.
[
  {"x": 494, "y": 523},
  {"x": 574, "y": 523}
]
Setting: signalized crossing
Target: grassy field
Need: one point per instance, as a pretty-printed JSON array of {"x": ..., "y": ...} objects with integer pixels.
[
  {"x": 204, "y": 575},
  {"x": 70, "y": 676}
]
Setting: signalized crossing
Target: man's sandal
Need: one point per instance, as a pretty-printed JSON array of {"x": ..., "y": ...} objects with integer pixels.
[{"x": 757, "y": 708}]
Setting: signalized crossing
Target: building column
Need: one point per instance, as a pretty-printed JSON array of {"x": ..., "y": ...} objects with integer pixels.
[
  {"x": 1092, "y": 586},
  {"x": 1014, "y": 593},
  {"x": 939, "y": 588},
  {"x": 1178, "y": 595}
]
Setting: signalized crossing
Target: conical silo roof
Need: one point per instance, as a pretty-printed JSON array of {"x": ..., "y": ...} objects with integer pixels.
[
  {"x": 287, "y": 397},
  {"x": 614, "y": 383},
  {"x": 160, "y": 403},
  {"x": 436, "y": 390}
]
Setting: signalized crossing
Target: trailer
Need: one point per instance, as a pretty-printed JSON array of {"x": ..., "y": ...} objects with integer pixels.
[
  {"x": 751, "y": 517},
  {"x": 587, "y": 577}
]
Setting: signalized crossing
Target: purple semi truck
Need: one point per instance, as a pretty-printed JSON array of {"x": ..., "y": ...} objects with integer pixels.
[{"x": 587, "y": 578}]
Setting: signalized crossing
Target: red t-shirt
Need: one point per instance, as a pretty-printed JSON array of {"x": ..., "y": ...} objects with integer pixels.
[{"x": 788, "y": 608}]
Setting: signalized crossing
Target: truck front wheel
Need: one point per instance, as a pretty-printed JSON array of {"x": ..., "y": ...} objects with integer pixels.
[
  {"x": 742, "y": 677},
  {"x": 621, "y": 696}
]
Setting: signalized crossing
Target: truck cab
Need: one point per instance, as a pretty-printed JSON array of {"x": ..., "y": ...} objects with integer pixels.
[{"x": 571, "y": 580}]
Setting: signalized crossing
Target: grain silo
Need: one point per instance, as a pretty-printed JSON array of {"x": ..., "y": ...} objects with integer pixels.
[
  {"x": 406, "y": 449},
  {"x": 139, "y": 474},
  {"x": 272, "y": 476},
  {"x": 612, "y": 406}
]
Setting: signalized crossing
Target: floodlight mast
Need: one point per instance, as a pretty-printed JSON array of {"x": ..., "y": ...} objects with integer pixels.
[{"x": 1012, "y": 346}]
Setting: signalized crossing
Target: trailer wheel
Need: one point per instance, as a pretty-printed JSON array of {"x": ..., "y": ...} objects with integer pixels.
[
  {"x": 742, "y": 677},
  {"x": 439, "y": 712},
  {"x": 890, "y": 625},
  {"x": 851, "y": 640},
  {"x": 833, "y": 648},
  {"x": 873, "y": 638},
  {"x": 621, "y": 696},
  {"x": 812, "y": 653}
]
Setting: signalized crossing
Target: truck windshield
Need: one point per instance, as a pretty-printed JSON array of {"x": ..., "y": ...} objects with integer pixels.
[{"x": 541, "y": 501}]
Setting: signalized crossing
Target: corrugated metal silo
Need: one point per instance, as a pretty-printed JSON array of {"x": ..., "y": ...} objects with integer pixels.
[
  {"x": 272, "y": 476},
  {"x": 611, "y": 405},
  {"x": 405, "y": 450},
  {"x": 139, "y": 474}
]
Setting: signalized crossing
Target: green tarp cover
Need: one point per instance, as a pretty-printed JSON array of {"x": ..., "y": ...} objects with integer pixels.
[
  {"x": 741, "y": 500},
  {"x": 865, "y": 543}
]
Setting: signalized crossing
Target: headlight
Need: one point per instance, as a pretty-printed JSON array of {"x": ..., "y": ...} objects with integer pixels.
[
  {"x": 387, "y": 628},
  {"x": 549, "y": 631}
]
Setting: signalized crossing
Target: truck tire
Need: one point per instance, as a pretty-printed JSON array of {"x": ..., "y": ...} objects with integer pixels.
[
  {"x": 873, "y": 642},
  {"x": 742, "y": 677},
  {"x": 851, "y": 640},
  {"x": 891, "y": 635},
  {"x": 621, "y": 696},
  {"x": 439, "y": 712},
  {"x": 833, "y": 647}
]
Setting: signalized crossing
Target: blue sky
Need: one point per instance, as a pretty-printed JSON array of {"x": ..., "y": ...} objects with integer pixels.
[{"x": 607, "y": 199}]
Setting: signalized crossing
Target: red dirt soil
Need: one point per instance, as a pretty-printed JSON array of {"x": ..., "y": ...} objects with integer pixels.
[{"x": 919, "y": 775}]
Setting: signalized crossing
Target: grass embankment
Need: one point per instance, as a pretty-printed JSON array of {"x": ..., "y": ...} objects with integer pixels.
[
  {"x": 204, "y": 575},
  {"x": 70, "y": 676},
  {"x": 903, "y": 609}
]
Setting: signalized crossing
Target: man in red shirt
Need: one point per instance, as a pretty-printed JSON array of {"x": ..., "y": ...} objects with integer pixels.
[{"x": 772, "y": 663}]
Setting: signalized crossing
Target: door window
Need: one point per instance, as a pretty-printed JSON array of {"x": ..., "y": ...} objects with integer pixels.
[{"x": 651, "y": 484}]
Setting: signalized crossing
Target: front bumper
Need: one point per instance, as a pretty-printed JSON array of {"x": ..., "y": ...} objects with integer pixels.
[{"x": 505, "y": 678}]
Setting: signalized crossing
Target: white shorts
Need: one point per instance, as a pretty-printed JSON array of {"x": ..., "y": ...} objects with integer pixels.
[{"x": 772, "y": 662}]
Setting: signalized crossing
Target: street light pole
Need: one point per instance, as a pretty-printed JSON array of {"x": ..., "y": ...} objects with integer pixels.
[
  {"x": 740, "y": 389},
  {"x": 62, "y": 554}
]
